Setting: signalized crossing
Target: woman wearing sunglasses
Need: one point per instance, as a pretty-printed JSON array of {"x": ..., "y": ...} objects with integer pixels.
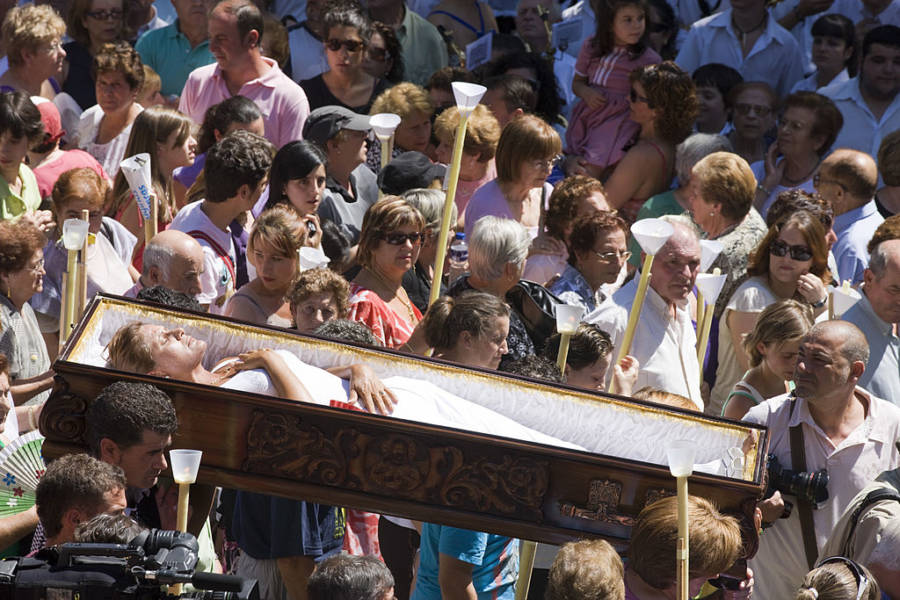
[
  {"x": 791, "y": 261},
  {"x": 389, "y": 244},
  {"x": 839, "y": 578},
  {"x": 345, "y": 83}
]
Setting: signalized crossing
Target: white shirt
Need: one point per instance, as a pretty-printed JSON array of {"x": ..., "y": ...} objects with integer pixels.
[
  {"x": 882, "y": 374},
  {"x": 811, "y": 84},
  {"x": 217, "y": 279},
  {"x": 665, "y": 347},
  {"x": 861, "y": 130},
  {"x": 307, "y": 54},
  {"x": 583, "y": 12},
  {"x": 109, "y": 154},
  {"x": 775, "y": 57},
  {"x": 852, "y": 465}
]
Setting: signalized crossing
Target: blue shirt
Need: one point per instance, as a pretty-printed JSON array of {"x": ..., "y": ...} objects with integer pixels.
[
  {"x": 573, "y": 288},
  {"x": 854, "y": 229},
  {"x": 168, "y": 52},
  {"x": 882, "y": 374},
  {"x": 495, "y": 561}
]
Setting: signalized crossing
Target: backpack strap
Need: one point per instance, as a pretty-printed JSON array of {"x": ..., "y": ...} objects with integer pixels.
[
  {"x": 220, "y": 252},
  {"x": 871, "y": 498},
  {"x": 804, "y": 508}
]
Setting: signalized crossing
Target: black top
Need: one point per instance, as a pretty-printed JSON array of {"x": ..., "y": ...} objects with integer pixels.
[
  {"x": 318, "y": 94},
  {"x": 417, "y": 284},
  {"x": 80, "y": 82}
]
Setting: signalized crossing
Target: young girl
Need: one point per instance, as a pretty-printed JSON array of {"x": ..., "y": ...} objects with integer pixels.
[
  {"x": 297, "y": 179},
  {"x": 164, "y": 134},
  {"x": 772, "y": 347},
  {"x": 600, "y": 126}
]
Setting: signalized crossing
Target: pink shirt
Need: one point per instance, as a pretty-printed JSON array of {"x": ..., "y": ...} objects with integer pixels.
[{"x": 282, "y": 102}]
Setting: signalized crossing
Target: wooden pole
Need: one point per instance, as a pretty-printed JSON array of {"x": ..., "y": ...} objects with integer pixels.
[
  {"x": 682, "y": 552},
  {"x": 181, "y": 521},
  {"x": 63, "y": 317},
  {"x": 700, "y": 310},
  {"x": 563, "y": 352},
  {"x": 633, "y": 316},
  {"x": 704, "y": 337},
  {"x": 526, "y": 566},
  {"x": 72, "y": 284},
  {"x": 81, "y": 300}
]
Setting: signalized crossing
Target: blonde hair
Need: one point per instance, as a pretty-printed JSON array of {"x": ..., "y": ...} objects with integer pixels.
[
  {"x": 726, "y": 179},
  {"x": 151, "y": 127},
  {"x": 28, "y": 26},
  {"x": 650, "y": 394},
  {"x": 586, "y": 570},
  {"x": 128, "y": 350},
  {"x": 152, "y": 84},
  {"x": 835, "y": 580},
  {"x": 482, "y": 131},
  {"x": 280, "y": 227},
  {"x": 784, "y": 321},
  {"x": 403, "y": 99},
  {"x": 385, "y": 216},
  {"x": 523, "y": 139}
]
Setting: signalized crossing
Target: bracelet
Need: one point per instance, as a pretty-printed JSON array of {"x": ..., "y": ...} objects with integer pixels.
[
  {"x": 761, "y": 188},
  {"x": 820, "y": 303},
  {"x": 31, "y": 422}
]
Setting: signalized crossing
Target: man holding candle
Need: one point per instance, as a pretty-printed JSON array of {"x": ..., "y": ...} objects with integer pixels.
[{"x": 664, "y": 341}]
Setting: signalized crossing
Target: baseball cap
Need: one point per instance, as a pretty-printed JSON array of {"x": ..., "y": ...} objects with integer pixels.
[
  {"x": 408, "y": 171},
  {"x": 51, "y": 120},
  {"x": 324, "y": 122}
]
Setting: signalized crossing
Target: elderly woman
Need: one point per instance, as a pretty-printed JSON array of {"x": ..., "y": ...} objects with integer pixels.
[
  {"x": 92, "y": 23},
  {"x": 477, "y": 166},
  {"x": 597, "y": 253},
  {"x": 526, "y": 153},
  {"x": 497, "y": 251},
  {"x": 345, "y": 83},
  {"x": 791, "y": 261},
  {"x": 20, "y": 128},
  {"x": 272, "y": 249},
  {"x": 721, "y": 195},
  {"x": 104, "y": 128},
  {"x": 389, "y": 244},
  {"x": 572, "y": 198},
  {"x": 753, "y": 106},
  {"x": 316, "y": 297},
  {"x": 664, "y": 105},
  {"x": 470, "y": 329},
  {"x": 414, "y": 106},
  {"x": 807, "y": 128},
  {"x": 32, "y": 35},
  {"x": 22, "y": 276},
  {"x": 417, "y": 281}
]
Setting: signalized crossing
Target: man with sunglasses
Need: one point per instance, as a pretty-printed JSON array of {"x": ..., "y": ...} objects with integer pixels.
[
  {"x": 235, "y": 30},
  {"x": 848, "y": 179},
  {"x": 829, "y": 423}
]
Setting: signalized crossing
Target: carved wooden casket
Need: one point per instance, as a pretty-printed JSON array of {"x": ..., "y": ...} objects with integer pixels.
[{"x": 414, "y": 469}]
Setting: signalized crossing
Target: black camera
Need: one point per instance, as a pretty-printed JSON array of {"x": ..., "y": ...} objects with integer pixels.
[
  {"x": 139, "y": 569},
  {"x": 811, "y": 487}
]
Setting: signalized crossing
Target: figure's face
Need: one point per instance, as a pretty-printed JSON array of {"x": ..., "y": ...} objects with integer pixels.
[
  {"x": 113, "y": 92},
  {"x": 413, "y": 132},
  {"x": 175, "y": 353},
  {"x": 883, "y": 292},
  {"x": 675, "y": 268},
  {"x": 185, "y": 269},
  {"x": 591, "y": 377},
  {"x": 12, "y": 151},
  {"x": 529, "y": 24},
  {"x": 6, "y": 402},
  {"x": 787, "y": 269},
  {"x": 702, "y": 212},
  {"x": 640, "y": 110},
  {"x": 305, "y": 194},
  {"x": 821, "y": 369},
  {"x": 604, "y": 261},
  {"x": 376, "y": 61},
  {"x": 351, "y": 149},
  {"x": 781, "y": 358},
  {"x": 47, "y": 58},
  {"x": 488, "y": 349},
  {"x": 879, "y": 76},
  {"x": 225, "y": 41},
  {"x": 753, "y": 114},
  {"x": 142, "y": 462},
  {"x": 314, "y": 310},
  {"x": 493, "y": 99},
  {"x": 273, "y": 269},
  {"x": 192, "y": 12},
  {"x": 711, "y": 105},
  {"x": 103, "y": 21},
  {"x": 258, "y": 127}
]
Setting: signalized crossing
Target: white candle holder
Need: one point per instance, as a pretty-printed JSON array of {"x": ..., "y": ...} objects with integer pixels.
[
  {"x": 843, "y": 299},
  {"x": 384, "y": 124},
  {"x": 185, "y": 465},
  {"x": 710, "y": 285},
  {"x": 652, "y": 234},
  {"x": 312, "y": 258},
  {"x": 74, "y": 234},
  {"x": 680, "y": 455},
  {"x": 568, "y": 316},
  {"x": 710, "y": 251},
  {"x": 467, "y": 95}
]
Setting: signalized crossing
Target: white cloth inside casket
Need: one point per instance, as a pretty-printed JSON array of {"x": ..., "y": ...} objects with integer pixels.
[{"x": 606, "y": 427}]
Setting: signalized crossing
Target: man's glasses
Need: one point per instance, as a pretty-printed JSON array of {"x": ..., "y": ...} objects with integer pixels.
[
  {"x": 609, "y": 257},
  {"x": 106, "y": 15},
  {"x": 349, "y": 45},
  {"x": 398, "y": 239},
  {"x": 818, "y": 180},
  {"x": 635, "y": 97},
  {"x": 780, "y": 248},
  {"x": 744, "y": 109}
]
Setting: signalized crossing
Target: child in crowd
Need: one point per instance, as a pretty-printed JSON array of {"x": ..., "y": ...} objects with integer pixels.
[
  {"x": 600, "y": 125},
  {"x": 149, "y": 94}
]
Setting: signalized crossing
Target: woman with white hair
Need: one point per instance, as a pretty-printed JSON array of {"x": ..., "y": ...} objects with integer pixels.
[
  {"x": 417, "y": 281},
  {"x": 497, "y": 252}
]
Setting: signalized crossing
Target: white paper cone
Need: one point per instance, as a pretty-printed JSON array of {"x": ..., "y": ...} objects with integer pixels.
[
  {"x": 710, "y": 286},
  {"x": 844, "y": 300},
  {"x": 137, "y": 172},
  {"x": 312, "y": 258}
]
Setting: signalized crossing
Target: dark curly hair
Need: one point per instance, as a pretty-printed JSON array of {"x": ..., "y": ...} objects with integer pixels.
[
  {"x": 123, "y": 411},
  {"x": 240, "y": 158},
  {"x": 591, "y": 228},
  {"x": 19, "y": 116},
  {"x": 120, "y": 57},
  {"x": 19, "y": 240},
  {"x": 670, "y": 91},
  {"x": 237, "y": 109},
  {"x": 564, "y": 201},
  {"x": 790, "y": 201}
]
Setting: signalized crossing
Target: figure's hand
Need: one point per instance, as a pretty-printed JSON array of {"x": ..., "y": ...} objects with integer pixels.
[
  {"x": 811, "y": 288},
  {"x": 593, "y": 98},
  {"x": 772, "y": 508},
  {"x": 42, "y": 219},
  {"x": 546, "y": 244},
  {"x": 774, "y": 169},
  {"x": 625, "y": 374},
  {"x": 366, "y": 387},
  {"x": 745, "y": 590},
  {"x": 314, "y": 239},
  {"x": 575, "y": 165},
  {"x": 255, "y": 359}
]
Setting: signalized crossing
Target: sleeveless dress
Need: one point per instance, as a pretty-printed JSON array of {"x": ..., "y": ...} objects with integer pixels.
[{"x": 599, "y": 135}]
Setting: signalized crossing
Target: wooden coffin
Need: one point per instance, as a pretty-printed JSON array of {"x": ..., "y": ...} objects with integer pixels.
[{"x": 411, "y": 469}]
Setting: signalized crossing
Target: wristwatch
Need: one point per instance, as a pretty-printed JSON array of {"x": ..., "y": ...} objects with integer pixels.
[{"x": 820, "y": 303}]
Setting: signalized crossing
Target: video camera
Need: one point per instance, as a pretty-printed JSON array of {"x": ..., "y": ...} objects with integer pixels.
[
  {"x": 139, "y": 569},
  {"x": 809, "y": 486}
]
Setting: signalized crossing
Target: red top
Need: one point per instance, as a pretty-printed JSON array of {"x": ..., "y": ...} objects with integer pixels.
[{"x": 368, "y": 308}]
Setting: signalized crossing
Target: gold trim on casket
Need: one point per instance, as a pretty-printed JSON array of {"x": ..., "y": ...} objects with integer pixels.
[{"x": 407, "y": 468}]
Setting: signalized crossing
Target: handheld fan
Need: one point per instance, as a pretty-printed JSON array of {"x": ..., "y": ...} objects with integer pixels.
[{"x": 21, "y": 467}]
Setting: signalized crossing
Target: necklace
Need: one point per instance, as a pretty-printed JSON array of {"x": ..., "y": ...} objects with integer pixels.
[
  {"x": 399, "y": 294},
  {"x": 742, "y": 35},
  {"x": 790, "y": 181}
]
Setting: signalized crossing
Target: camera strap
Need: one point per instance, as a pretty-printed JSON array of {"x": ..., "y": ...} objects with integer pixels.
[{"x": 804, "y": 508}]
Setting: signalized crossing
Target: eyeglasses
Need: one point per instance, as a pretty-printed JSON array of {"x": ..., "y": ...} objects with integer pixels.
[
  {"x": 862, "y": 582},
  {"x": 780, "y": 248},
  {"x": 349, "y": 45},
  {"x": 398, "y": 239},
  {"x": 635, "y": 97},
  {"x": 544, "y": 165},
  {"x": 619, "y": 255},
  {"x": 818, "y": 180},
  {"x": 791, "y": 125},
  {"x": 744, "y": 109},
  {"x": 36, "y": 267},
  {"x": 377, "y": 54},
  {"x": 106, "y": 15}
]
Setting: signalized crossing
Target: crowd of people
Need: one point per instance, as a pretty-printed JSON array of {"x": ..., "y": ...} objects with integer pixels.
[{"x": 766, "y": 132}]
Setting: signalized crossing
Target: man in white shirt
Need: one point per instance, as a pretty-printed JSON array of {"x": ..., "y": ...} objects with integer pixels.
[
  {"x": 876, "y": 314},
  {"x": 664, "y": 341},
  {"x": 870, "y": 102},
  {"x": 749, "y": 40},
  {"x": 235, "y": 171},
  {"x": 843, "y": 429}
]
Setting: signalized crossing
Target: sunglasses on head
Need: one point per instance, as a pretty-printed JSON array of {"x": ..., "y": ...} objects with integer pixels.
[
  {"x": 780, "y": 248},
  {"x": 862, "y": 582},
  {"x": 398, "y": 239},
  {"x": 349, "y": 45}
]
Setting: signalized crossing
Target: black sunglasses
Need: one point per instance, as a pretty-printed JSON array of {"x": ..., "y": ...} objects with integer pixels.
[
  {"x": 779, "y": 248},
  {"x": 349, "y": 45},
  {"x": 105, "y": 15},
  {"x": 398, "y": 239},
  {"x": 635, "y": 97},
  {"x": 862, "y": 582}
]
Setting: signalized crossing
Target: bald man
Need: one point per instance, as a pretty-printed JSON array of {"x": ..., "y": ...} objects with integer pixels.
[
  {"x": 843, "y": 429},
  {"x": 172, "y": 259},
  {"x": 848, "y": 179}
]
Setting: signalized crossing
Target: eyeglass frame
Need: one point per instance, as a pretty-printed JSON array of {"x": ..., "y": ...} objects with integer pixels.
[
  {"x": 398, "y": 239},
  {"x": 761, "y": 111},
  {"x": 618, "y": 255},
  {"x": 862, "y": 581},
  {"x": 36, "y": 268},
  {"x": 106, "y": 15},
  {"x": 785, "y": 249},
  {"x": 544, "y": 164},
  {"x": 335, "y": 45}
]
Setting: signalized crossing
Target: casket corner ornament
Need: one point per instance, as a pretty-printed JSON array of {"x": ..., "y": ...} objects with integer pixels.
[{"x": 63, "y": 419}]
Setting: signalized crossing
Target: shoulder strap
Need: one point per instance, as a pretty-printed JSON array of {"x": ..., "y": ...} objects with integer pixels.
[
  {"x": 804, "y": 508},
  {"x": 223, "y": 254},
  {"x": 871, "y": 498}
]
